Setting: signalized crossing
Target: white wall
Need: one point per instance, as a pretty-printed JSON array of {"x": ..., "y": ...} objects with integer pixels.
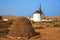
[
  {"x": 47, "y": 20},
  {"x": 36, "y": 17},
  {"x": 5, "y": 19}
]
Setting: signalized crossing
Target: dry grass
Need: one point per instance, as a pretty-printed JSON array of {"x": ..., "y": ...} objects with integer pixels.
[
  {"x": 21, "y": 27},
  {"x": 45, "y": 34},
  {"x": 49, "y": 34},
  {"x": 5, "y": 24},
  {"x": 50, "y": 31}
]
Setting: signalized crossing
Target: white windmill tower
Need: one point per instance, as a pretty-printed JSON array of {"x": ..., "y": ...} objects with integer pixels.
[{"x": 37, "y": 16}]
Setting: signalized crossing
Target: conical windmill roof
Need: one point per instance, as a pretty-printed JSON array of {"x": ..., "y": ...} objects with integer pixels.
[{"x": 38, "y": 12}]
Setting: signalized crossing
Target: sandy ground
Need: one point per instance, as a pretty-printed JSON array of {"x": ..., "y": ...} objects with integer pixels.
[
  {"x": 45, "y": 34},
  {"x": 51, "y": 33}
]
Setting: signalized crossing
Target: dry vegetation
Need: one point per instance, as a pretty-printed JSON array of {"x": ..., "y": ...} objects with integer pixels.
[
  {"x": 46, "y": 30},
  {"x": 21, "y": 27}
]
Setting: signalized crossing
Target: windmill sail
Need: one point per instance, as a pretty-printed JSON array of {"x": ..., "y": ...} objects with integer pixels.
[{"x": 41, "y": 12}]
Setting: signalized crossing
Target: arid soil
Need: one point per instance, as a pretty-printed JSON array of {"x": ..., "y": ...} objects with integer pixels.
[
  {"x": 49, "y": 33},
  {"x": 46, "y": 30},
  {"x": 45, "y": 34}
]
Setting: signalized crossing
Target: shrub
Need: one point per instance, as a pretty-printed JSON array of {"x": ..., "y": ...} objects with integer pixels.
[{"x": 57, "y": 25}]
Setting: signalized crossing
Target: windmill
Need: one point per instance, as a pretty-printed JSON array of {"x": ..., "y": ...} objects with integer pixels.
[{"x": 37, "y": 16}]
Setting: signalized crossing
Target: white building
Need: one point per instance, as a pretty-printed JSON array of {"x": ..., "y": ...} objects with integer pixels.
[
  {"x": 5, "y": 19},
  {"x": 37, "y": 16}
]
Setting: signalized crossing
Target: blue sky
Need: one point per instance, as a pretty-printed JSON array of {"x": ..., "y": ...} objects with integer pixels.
[{"x": 27, "y": 7}]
